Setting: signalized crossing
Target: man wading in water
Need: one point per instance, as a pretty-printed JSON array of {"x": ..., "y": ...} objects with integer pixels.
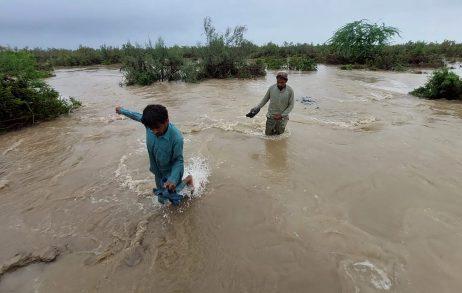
[
  {"x": 281, "y": 97},
  {"x": 165, "y": 149}
]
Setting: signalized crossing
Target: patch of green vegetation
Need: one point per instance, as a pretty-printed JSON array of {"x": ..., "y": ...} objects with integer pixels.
[
  {"x": 223, "y": 56},
  {"x": 302, "y": 64},
  {"x": 145, "y": 65},
  {"x": 274, "y": 63},
  {"x": 251, "y": 69},
  {"x": 443, "y": 84},
  {"x": 359, "y": 42},
  {"x": 24, "y": 98}
]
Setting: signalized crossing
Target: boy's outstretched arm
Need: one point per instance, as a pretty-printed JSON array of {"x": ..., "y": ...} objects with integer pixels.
[{"x": 132, "y": 115}]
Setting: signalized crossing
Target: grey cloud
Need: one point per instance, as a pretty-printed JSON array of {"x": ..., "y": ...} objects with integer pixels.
[{"x": 52, "y": 23}]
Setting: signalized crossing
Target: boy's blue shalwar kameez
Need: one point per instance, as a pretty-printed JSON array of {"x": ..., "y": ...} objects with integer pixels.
[{"x": 165, "y": 153}]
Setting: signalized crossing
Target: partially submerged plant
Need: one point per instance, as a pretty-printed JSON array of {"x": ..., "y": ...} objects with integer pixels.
[{"x": 443, "y": 84}]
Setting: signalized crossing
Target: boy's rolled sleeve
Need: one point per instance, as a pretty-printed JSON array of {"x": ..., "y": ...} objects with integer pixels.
[{"x": 132, "y": 115}]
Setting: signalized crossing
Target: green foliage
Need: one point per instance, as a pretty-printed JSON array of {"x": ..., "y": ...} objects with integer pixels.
[
  {"x": 24, "y": 99},
  {"x": 251, "y": 69},
  {"x": 443, "y": 84},
  {"x": 273, "y": 63},
  {"x": 192, "y": 71},
  {"x": 20, "y": 64},
  {"x": 146, "y": 65},
  {"x": 302, "y": 64},
  {"x": 361, "y": 41},
  {"x": 224, "y": 55}
]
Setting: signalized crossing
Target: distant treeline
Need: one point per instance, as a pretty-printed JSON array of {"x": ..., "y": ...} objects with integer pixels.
[
  {"x": 411, "y": 54},
  {"x": 356, "y": 45}
]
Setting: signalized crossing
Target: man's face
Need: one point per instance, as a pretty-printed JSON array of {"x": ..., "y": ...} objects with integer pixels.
[
  {"x": 281, "y": 82},
  {"x": 161, "y": 129}
]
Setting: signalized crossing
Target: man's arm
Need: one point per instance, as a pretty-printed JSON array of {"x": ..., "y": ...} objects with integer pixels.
[
  {"x": 132, "y": 115},
  {"x": 178, "y": 162},
  {"x": 289, "y": 108},
  {"x": 264, "y": 100}
]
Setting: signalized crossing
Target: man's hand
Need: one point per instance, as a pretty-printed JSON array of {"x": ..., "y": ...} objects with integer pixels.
[
  {"x": 277, "y": 116},
  {"x": 170, "y": 186},
  {"x": 117, "y": 109},
  {"x": 253, "y": 112}
]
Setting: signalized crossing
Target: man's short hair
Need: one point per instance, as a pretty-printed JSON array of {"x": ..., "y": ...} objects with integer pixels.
[{"x": 154, "y": 116}]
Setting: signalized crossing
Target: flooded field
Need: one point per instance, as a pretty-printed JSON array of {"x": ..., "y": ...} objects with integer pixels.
[{"x": 362, "y": 194}]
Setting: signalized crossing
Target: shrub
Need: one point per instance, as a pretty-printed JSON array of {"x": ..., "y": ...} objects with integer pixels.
[
  {"x": 274, "y": 63},
  {"x": 192, "y": 71},
  {"x": 443, "y": 84},
  {"x": 24, "y": 99},
  {"x": 251, "y": 69},
  {"x": 302, "y": 64},
  {"x": 146, "y": 65},
  {"x": 360, "y": 41},
  {"x": 225, "y": 55}
]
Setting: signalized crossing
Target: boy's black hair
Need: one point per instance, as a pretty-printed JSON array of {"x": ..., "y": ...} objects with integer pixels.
[{"x": 154, "y": 116}]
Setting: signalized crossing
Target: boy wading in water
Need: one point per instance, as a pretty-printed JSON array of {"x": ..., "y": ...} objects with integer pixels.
[
  {"x": 165, "y": 148},
  {"x": 281, "y": 98}
]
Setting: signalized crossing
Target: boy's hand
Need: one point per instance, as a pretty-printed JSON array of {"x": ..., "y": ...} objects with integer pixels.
[
  {"x": 170, "y": 186},
  {"x": 117, "y": 109}
]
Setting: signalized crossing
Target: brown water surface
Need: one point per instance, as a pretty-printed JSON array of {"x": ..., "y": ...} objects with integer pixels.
[{"x": 362, "y": 194}]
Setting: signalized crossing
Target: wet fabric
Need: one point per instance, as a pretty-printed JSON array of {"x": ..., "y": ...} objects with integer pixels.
[
  {"x": 165, "y": 152},
  {"x": 164, "y": 195},
  {"x": 275, "y": 127},
  {"x": 280, "y": 101}
]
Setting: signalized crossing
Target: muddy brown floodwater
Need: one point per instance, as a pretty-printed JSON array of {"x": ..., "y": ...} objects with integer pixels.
[{"x": 363, "y": 194}]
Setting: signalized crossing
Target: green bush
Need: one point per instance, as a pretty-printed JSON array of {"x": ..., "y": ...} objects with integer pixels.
[
  {"x": 274, "y": 63},
  {"x": 192, "y": 71},
  {"x": 361, "y": 41},
  {"x": 144, "y": 66},
  {"x": 225, "y": 55},
  {"x": 24, "y": 99},
  {"x": 443, "y": 84},
  {"x": 20, "y": 64},
  {"x": 302, "y": 64},
  {"x": 251, "y": 69}
]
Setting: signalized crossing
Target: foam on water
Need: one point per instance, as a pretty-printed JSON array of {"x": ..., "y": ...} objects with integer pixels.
[
  {"x": 365, "y": 273},
  {"x": 122, "y": 173},
  {"x": 12, "y": 147},
  {"x": 196, "y": 166},
  {"x": 351, "y": 124},
  {"x": 250, "y": 127},
  {"x": 379, "y": 278}
]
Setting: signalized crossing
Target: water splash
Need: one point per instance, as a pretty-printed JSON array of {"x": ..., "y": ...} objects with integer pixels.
[
  {"x": 378, "y": 277},
  {"x": 126, "y": 179},
  {"x": 199, "y": 169}
]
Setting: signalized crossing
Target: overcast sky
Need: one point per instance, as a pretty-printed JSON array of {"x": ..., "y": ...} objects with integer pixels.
[{"x": 68, "y": 23}]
